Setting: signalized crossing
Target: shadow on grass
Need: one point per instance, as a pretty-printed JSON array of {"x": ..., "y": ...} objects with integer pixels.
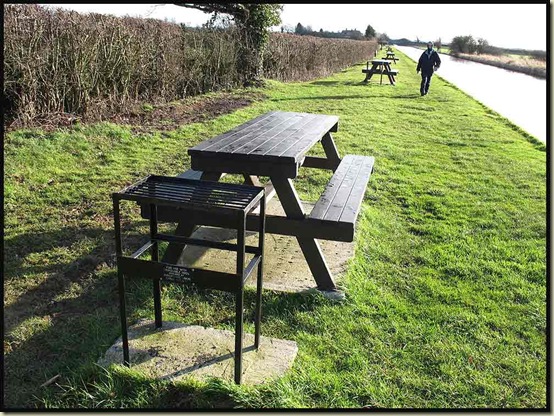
[
  {"x": 328, "y": 97},
  {"x": 73, "y": 342},
  {"x": 77, "y": 313},
  {"x": 361, "y": 83},
  {"x": 40, "y": 300},
  {"x": 325, "y": 83}
]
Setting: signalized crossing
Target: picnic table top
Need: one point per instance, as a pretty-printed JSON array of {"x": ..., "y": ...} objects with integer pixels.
[
  {"x": 380, "y": 61},
  {"x": 276, "y": 136}
]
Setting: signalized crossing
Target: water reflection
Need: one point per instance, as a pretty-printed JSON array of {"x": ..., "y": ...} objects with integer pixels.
[{"x": 518, "y": 97}]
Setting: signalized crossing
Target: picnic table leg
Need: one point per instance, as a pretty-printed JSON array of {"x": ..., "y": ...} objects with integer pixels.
[
  {"x": 331, "y": 150},
  {"x": 185, "y": 228},
  {"x": 309, "y": 246}
]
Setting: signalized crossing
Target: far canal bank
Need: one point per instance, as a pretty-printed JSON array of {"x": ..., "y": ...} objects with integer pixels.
[{"x": 518, "y": 97}]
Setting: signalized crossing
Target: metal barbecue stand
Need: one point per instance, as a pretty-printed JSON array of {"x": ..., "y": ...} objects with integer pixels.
[{"x": 217, "y": 204}]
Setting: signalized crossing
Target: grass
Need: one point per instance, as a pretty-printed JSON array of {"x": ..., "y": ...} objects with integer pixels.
[{"x": 446, "y": 293}]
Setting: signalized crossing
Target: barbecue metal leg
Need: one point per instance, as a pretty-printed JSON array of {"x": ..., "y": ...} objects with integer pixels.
[
  {"x": 259, "y": 283},
  {"x": 185, "y": 228},
  {"x": 124, "y": 337},
  {"x": 121, "y": 284},
  {"x": 309, "y": 246},
  {"x": 156, "y": 282},
  {"x": 241, "y": 230}
]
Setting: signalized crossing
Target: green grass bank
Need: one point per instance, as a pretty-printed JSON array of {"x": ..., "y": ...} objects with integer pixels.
[{"x": 446, "y": 293}]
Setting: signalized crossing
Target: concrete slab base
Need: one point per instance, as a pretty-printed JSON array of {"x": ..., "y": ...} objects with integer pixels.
[
  {"x": 178, "y": 351},
  {"x": 285, "y": 268}
]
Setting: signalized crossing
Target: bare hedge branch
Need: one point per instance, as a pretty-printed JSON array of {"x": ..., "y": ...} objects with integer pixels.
[{"x": 58, "y": 61}]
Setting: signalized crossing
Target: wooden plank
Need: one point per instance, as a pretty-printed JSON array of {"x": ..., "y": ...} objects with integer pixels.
[
  {"x": 328, "y": 195},
  {"x": 301, "y": 147},
  {"x": 275, "y": 224},
  {"x": 352, "y": 207},
  {"x": 337, "y": 204},
  {"x": 249, "y": 124},
  {"x": 287, "y": 168},
  {"x": 313, "y": 125},
  {"x": 269, "y": 136},
  {"x": 342, "y": 198},
  {"x": 308, "y": 134},
  {"x": 242, "y": 141},
  {"x": 242, "y": 146},
  {"x": 273, "y": 147},
  {"x": 229, "y": 144}
]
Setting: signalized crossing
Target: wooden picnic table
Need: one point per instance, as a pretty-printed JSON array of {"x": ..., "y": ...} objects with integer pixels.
[
  {"x": 391, "y": 56},
  {"x": 381, "y": 67},
  {"x": 275, "y": 145}
]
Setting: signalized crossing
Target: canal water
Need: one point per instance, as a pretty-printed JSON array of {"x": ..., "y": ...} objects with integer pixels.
[{"x": 519, "y": 97}]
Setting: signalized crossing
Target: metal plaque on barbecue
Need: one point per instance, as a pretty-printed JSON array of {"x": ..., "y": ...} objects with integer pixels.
[{"x": 177, "y": 274}]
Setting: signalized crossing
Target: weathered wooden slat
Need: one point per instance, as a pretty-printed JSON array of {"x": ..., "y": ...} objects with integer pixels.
[
  {"x": 311, "y": 137},
  {"x": 278, "y": 148},
  {"x": 229, "y": 134},
  {"x": 258, "y": 167},
  {"x": 277, "y": 137},
  {"x": 342, "y": 198},
  {"x": 352, "y": 207},
  {"x": 275, "y": 224},
  {"x": 326, "y": 198},
  {"x": 269, "y": 135},
  {"x": 274, "y": 145},
  {"x": 228, "y": 144}
]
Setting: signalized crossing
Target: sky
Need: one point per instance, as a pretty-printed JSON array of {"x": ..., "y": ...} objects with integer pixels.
[{"x": 505, "y": 25}]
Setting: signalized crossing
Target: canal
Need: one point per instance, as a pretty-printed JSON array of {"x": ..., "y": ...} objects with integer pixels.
[{"x": 519, "y": 97}]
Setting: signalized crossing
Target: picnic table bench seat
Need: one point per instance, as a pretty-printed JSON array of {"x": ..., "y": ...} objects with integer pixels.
[
  {"x": 340, "y": 203},
  {"x": 336, "y": 211},
  {"x": 384, "y": 72}
]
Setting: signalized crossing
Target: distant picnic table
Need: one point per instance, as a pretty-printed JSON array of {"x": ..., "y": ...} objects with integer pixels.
[
  {"x": 381, "y": 67},
  {"x": 391, "y": 56}
]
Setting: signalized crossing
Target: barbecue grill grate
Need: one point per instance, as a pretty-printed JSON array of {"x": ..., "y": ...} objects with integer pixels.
[{"x": 163, "y": 190}]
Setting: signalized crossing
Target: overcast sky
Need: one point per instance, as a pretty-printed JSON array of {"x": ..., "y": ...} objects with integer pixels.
[{"x": 505, "y": 25}]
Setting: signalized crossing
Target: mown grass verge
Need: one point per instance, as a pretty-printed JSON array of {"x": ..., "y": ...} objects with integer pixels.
[{"x": 446, "y": 293}]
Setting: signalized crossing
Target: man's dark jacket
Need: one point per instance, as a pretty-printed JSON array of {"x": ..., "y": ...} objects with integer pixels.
[{"x": 427, "y": 63}]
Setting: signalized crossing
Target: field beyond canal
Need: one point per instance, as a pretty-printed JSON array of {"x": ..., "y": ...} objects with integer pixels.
[{"x": 446, "y": 293}]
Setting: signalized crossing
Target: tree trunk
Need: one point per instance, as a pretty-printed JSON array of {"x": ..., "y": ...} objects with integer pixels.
[{"x": 251, "y": 58}]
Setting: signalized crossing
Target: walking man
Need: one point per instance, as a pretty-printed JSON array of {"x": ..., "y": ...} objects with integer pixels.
[{"x": 428, "y": 63}]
